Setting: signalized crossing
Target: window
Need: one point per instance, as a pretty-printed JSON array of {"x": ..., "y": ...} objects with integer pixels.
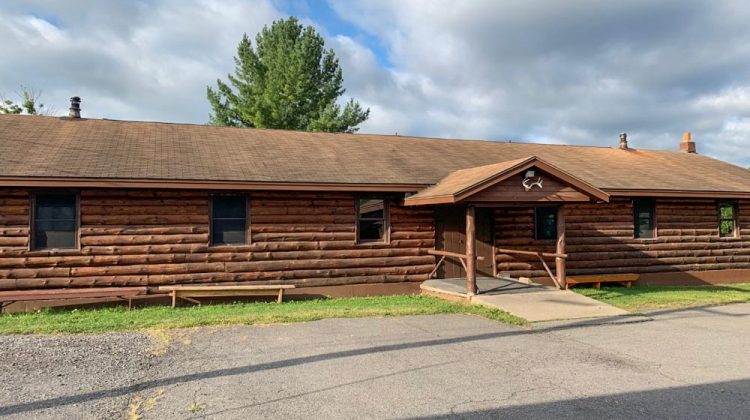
[
  {"x": 371, "y": 220},
  {"x": 229, "y": 220},
  {"x": 727, "y": 220},
  {"x": 545, "y": 223},
  {"x": 55, "y": 221},
  {"x": 643, "y": 219}
]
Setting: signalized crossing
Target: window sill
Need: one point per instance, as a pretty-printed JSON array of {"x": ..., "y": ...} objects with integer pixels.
[
  {"x": 53, "y": 252},
  {"x": 229, "y": 247},
  {"x": 374, "y": 243}
]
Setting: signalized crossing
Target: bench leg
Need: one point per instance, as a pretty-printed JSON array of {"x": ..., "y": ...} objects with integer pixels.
[
  {"x": 628, "y": 284},
  {"x": 597, "y": 285},
  {"x": 129, "y": 299},
  {"x": 174, "y": 298},
  {"x": 195, "y": 301},
  {"x": 281, "y": 296}
]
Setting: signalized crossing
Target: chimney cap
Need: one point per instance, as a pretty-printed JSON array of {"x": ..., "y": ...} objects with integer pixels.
[
  {"x": 75, "y": 107},
  {"x": 624, "y": 141},
  {"x": 687, "y": 136}
]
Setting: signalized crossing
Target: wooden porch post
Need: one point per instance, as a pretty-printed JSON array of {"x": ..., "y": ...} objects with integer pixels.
[
  {"x": 471, "y": 252},
  {"x": 559, "y": 261}
]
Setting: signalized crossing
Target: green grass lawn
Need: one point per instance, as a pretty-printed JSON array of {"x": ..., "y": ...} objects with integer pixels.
[
  {"x": 640, "y": 298},
  {"x": 53, "y": 321}
]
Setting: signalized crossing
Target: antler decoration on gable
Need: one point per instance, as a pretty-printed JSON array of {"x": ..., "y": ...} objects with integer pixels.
[{"x": 528, "y": 185}]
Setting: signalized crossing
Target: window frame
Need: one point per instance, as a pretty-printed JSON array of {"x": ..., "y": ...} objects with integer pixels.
[
  {"x": 386, "y": 221},
  {"x": 636, "y": 219},
  {"x": 31, "y": 247},
  {"x": 247, "y": 236},
  {"x": 537, "y": 229},
  {"x": 736, "y": 227}
]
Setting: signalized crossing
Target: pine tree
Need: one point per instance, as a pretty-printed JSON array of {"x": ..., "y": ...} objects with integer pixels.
[{"x": 289, "y": 80}]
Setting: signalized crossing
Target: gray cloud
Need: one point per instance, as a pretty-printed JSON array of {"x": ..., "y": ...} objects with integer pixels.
[
  {"x": 575, "y": 72},
  {"x": 131, "y": 60},
  {"x": 578, "y": 71}
]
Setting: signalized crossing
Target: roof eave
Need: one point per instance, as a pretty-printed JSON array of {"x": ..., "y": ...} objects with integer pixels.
[
  {"x": 675, "y": 193},
  {"x": 42, "y": 182}
]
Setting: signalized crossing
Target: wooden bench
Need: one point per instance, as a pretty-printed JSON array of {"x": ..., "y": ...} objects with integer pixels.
[
  {"x": 190, "y": 292},
  {"x": 125, "y": 293},
  {"x": 596, "y": 281}
]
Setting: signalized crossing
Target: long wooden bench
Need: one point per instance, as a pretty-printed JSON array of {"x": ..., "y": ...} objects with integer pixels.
[
  {"x": 125, "y": 293},
  {"x": 190, "y": 292},
  {"x": 597, "y": 280}
]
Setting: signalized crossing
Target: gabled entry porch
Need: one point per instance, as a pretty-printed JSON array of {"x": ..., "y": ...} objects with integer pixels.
[{"x": 467, "y": 200}]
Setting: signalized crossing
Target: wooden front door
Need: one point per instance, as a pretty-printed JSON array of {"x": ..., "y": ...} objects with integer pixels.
[{"x": 450, "y": 235}]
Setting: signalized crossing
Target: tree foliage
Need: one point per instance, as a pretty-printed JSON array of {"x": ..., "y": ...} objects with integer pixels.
[
  {"x": 289, "y": 80},
  {"x": 29, "y": 103}
]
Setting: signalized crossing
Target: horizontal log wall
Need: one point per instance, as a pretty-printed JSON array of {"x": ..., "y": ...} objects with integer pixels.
[
  {"x": 600, "y": 239},
  {"x": 138, "y": 237}
]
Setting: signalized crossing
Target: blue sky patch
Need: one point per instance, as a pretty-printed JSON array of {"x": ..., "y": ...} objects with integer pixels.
[{"x": 321, "y": 13}]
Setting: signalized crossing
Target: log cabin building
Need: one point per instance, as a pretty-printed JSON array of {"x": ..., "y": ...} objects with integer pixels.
[{"x": 102, "y": 203}]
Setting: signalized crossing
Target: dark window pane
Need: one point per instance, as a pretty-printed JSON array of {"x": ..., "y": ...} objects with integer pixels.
[
  {"x": 726, "y": 212},
  {"x": 229, "y": 220},
  {"x": 644, "y": 229},
  {"x": 727, "y": 225},
  {"x": 643, "y": 219},
  {"x": 371, "y": 209},
  {"x": 371, "y": 230},
  {"x": 55, "y": 212},
  {"x": 229, "y": 207},
  {"x": 546, "y": 223},
  {"x": 55, "y": 234},
  {"x": 549, "y": 231},
  {"x": 726, "y": 228},
  {"x": 228, "y": 232},
  {"x": 371, "y": 224},
  {"x": 54, "y": 221},
  {"x": 55, "y": 206}
]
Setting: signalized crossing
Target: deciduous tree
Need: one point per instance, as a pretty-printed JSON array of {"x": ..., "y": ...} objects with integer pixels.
[{"x": 29, "y": 103}]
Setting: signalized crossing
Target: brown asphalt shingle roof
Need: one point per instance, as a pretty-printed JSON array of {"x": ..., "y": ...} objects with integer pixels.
[
  {"x": 468, "y": 181},
  {"x": 51, "y": 147},
  {"x": 458, "y": 181}
]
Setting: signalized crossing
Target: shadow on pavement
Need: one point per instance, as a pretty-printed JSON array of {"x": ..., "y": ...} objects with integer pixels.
[
  {"x": 719, "y": 400},
  {"x": 241, "y": 370}
]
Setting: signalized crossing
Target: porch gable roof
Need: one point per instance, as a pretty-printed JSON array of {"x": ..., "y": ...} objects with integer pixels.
[{"x": 463, "y": 183}]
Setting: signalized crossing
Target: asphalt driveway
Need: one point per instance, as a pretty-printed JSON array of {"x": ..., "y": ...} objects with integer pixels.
[{"x": 684, "y": 364}]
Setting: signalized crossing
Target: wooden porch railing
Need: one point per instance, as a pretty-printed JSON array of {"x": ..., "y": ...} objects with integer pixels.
[
  {"x": 540, "y": 255},
  {"x": 462, "y": 258}
]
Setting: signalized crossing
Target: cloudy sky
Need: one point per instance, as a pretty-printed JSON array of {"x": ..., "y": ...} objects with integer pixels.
[{"x": 574, "y": 71}]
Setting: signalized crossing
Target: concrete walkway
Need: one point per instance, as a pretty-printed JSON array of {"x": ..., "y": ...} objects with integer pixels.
[{"x": 533, "y": 302}]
